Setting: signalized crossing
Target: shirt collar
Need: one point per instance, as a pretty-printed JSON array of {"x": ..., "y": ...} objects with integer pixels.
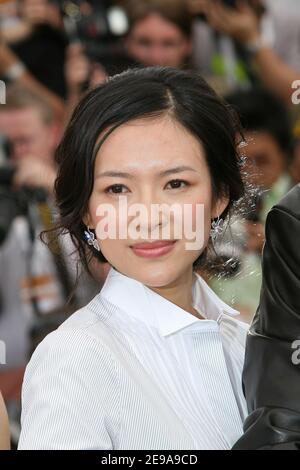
[{"x": 144, "y": 304}]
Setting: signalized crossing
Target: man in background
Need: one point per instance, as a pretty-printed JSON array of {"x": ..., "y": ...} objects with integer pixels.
[
  {"x": 35, "y": 283},
  {"x": 267, "y": 156}
]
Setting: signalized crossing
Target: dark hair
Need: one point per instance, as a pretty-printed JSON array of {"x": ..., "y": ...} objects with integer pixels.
[
  {"x": 259, "y": 110},
  {"x": 140, "y": 93},
  {"x": 174, "y": 11}
]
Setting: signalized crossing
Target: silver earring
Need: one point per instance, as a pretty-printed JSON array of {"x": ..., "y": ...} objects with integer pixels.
[
  {"x": 217, "y": 227},
  {"x": 91, "y": 240}
]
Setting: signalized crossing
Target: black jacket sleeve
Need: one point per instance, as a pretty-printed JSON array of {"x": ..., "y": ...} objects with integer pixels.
[{"x": 271, "y": 376}]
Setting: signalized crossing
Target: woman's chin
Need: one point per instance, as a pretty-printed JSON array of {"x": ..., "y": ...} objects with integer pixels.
[{"x": 156, "y": 276}]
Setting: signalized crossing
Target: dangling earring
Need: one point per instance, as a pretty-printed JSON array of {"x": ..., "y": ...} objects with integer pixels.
[
  {"x": 90, "y": 238},
  {"x": 217, "y": 227}
]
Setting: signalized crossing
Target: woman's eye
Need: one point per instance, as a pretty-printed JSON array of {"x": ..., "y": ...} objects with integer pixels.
[
  {"x": 116, "y": 189},
  {"x": 177, "y": 184}
]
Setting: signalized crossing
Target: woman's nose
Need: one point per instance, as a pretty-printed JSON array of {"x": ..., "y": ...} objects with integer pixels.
[{"x": 152, "y": 216}]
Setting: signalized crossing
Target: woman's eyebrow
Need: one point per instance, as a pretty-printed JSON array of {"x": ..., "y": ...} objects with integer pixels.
[
  {"x": 116, "y": 174},
  {"x": 177, "y": 169},
  {"x": 121, "y": 174}
]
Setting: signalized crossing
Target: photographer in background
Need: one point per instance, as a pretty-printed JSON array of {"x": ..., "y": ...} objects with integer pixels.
[
  {"x": 4, "y": 427},
  {"x": 13, "y": 71},
  {"x": 35, "y": 283},
  {"x": 271, "y": 375},
  {"x": 267, "y": 153}
]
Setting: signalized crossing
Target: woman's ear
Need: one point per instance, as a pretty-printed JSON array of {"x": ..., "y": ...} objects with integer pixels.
[{"x": 219, "y": 206}]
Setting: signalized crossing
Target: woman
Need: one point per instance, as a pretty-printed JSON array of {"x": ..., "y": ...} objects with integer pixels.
[
  {"x": 155, "y": 360},
  {"x": 4, "y": 428}
]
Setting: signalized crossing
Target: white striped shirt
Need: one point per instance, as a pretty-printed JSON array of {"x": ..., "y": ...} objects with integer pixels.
[{"x": 132, "y": 370}]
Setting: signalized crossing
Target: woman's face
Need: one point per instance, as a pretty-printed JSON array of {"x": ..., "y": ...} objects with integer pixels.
[{"x": 149, "y": 163}]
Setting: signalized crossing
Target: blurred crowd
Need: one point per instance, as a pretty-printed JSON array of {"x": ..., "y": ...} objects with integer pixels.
[{"x": 53, "y": 51}]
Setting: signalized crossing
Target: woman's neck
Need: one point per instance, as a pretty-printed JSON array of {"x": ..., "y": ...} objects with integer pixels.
[{"x": 180, "y": 292}]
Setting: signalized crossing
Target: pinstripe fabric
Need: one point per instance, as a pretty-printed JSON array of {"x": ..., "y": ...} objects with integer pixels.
[{"x": 132, "y": 370}]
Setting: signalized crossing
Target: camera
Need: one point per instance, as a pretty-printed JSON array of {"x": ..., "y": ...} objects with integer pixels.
[
  {"x": 97, "y": 25},
  {"x": 13, "y": 202}
]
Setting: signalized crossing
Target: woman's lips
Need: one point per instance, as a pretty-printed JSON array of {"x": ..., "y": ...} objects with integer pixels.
[{"x": 153, "y": 249}]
